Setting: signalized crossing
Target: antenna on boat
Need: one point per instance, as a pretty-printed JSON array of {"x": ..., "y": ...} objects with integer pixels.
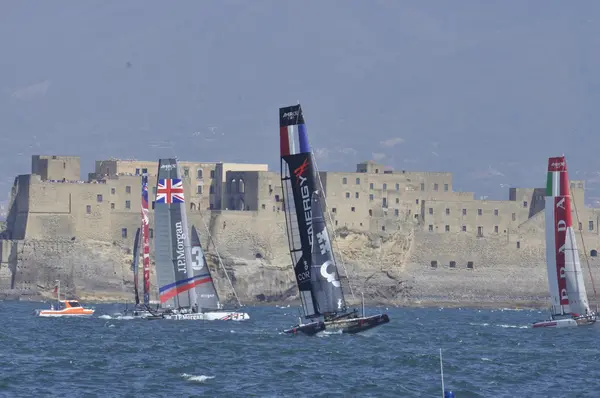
[
  {"x": 363, "y": 303},
  {"x": 445, "y": 393}
]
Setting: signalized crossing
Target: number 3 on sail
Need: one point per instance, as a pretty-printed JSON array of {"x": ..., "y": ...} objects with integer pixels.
[{"x": 197, "y": 258}]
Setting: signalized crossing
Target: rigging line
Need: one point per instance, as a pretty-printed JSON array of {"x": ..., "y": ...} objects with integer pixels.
[
  {"x": 584, "y": 249},
  {"x": 219, "y": 257}
]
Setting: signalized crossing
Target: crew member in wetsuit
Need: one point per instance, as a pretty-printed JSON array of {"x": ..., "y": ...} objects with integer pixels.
[{"x": 195, "y": 308}]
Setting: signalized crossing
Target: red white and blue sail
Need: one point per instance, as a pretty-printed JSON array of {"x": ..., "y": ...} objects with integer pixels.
[
  {"x": 565, "y": 278},
  {"x": 171, "y": 240},
  {"x": 145, "y": 239}
]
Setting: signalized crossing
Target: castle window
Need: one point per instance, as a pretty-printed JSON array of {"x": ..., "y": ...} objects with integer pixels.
[
  {"x": 371, "y": 197},
  {"x": 137, "y": 172},
  {"x": 479, "y": 212},
  {"x": 495, "y": 212},
  {"x": 396, "y": 212},
  {"x": 376, "y": 171},
  {"x": 212, "y": 174},
  {"x": 99, "y": 198},
  {"x": 123, "y": 233},
  {"x": 199, "y": 189},
  {"x": 344, "y": 181},
  {"x": 417, "y": 201},
  {"x": 591, "y": 226},
  {"x": 356, "y": 195},
  {"x": 199, "y": 174},
  {"x": 397, "y": 200},
  {"x": 127, "y": 189},
  {"x": 430, "y": 228},
  {"x": 496, "y": 229},
  {"x": 422, "y": 186},
  {"x": 113, "y": 191},
  {"x": 435, "y": 187},
  {"x": 151, "y": 233},
  {"x": 447, "y": 211},
  {"x": 264, "y": 206},
  {"x": 276, "y": 198},
  {"x": 464, "y": 228},
  {"x": 518, "y": 245},
  {"x": 112, "y": 206},
  {"x": 384, "y": 202},
  {"x": 514, "y": 216},
  {"x": 370, "y": 212},
  {"x": 371, "y": 186},
  {"x": 594, "y": 253},
  {"x": 128, "y": 204},
  {"x": 333, "y": 210},
  {"x": 447, "y": 228},
  {"x": 211, "y": 189},
  {"x": 479, "y": 231},
  {"x": 144, "y": 171},
  {"x": 397, "y": 187},
  {"x": 580, "y": 226},
  {"x": 445, "y": 187},
  {"x": 88, "y": 209},
  {"x": 353, "y": 209},
  {"x": 347, "y": 195},
  {"x": 431, "y": 210},
  {"x": 357, "y": 181},
  {"x": 186, "y": 172},
  {"x": 384, "y": 186},
  {"x": 242, "y": 187},
  {"x": 464, "y": 212},
  {"x": 525, "y": 203},
  {"x": 383, "y": 227}
]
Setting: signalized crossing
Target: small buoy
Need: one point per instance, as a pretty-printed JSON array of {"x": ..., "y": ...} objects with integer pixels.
[{"x": 448, "y": 394}]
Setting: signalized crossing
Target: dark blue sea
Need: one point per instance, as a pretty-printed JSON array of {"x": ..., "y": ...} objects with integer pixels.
[{"x": 487, "y": 353}]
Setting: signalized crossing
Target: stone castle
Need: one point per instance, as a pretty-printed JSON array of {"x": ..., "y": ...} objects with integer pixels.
[{"x": 409, "y": 231}]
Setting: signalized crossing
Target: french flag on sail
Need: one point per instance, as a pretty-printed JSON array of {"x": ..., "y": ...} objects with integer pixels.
[{"x": 292, "y": 131}]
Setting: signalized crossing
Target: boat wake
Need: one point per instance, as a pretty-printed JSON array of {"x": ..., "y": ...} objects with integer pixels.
[
  {"x": 500, "y": 325},
  {"x": 117, "y": 316},
  {"x": 196, "y": 379}
]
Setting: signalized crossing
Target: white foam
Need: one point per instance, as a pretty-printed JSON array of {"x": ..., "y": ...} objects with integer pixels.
[{"x": 197, "y": 379}]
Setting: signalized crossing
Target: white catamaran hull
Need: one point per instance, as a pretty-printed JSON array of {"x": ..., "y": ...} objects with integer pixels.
[
  {"x": 209, "y": 316},
  {"x": 566, "y": 322}
]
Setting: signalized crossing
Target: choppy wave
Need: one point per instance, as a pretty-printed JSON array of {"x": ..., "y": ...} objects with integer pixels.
[{"x": 487, "y": 353}]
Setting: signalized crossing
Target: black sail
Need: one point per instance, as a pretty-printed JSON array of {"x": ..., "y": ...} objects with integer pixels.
[{"x": 325, "y": 279}]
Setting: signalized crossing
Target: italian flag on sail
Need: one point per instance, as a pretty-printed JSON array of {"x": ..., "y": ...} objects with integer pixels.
[{"x": 557, "y": 183}]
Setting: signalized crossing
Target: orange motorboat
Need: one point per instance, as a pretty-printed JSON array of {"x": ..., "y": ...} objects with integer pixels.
[{"x": 65, "y": 307}]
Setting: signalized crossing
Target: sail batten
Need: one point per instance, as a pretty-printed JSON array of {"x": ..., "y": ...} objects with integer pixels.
[{"x": 565, "y": 278}]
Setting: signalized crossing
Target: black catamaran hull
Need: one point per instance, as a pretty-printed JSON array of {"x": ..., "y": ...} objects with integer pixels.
[{"x": 350, "y": 326}]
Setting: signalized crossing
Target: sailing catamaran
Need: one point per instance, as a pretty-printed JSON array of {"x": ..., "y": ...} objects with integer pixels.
[
  {"x": 142, "y": 236},
  {"x": 565, "y": 279},
  {"x": 186, "y": 288},
  {"x": 314, "y": 264}
]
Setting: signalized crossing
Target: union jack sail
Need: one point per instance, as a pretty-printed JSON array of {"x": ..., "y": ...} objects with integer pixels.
[{"x": 169, "y": 191}]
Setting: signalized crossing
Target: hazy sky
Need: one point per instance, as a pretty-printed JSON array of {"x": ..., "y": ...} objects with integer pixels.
[{"x": 485, "y": 89}]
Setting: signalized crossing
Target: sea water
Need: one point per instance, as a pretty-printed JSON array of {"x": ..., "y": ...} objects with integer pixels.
[{"x": 487, "y": 353}]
